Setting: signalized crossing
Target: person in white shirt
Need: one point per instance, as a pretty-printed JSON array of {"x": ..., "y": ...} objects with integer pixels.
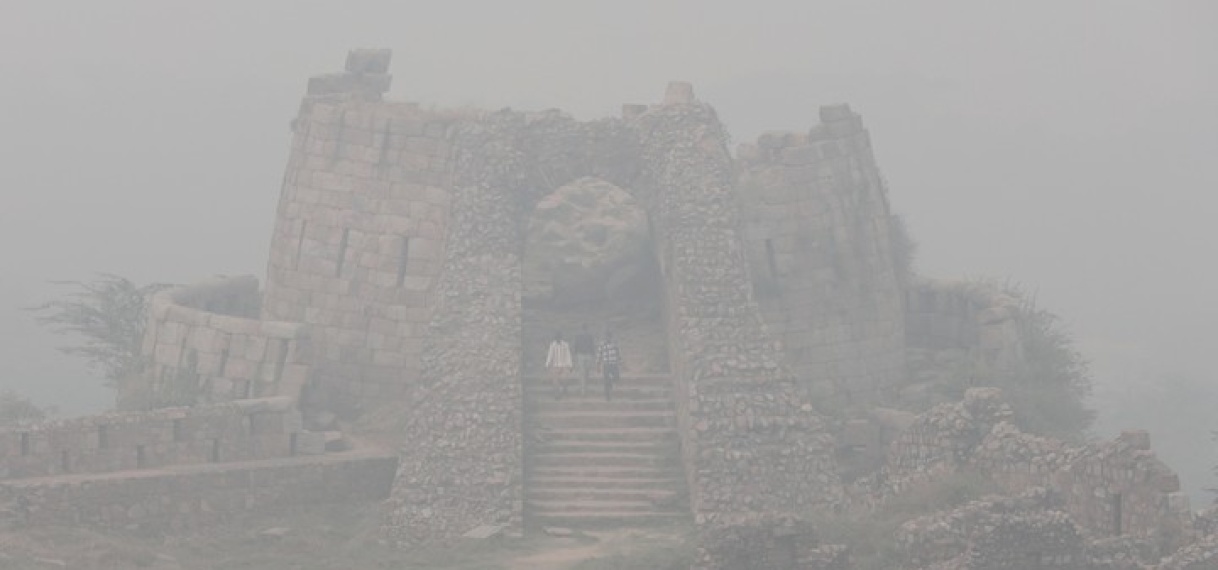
[{"x": 558, "y": 363}]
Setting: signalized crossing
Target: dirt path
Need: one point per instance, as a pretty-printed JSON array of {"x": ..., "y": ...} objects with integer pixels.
[{"x": 566, "y": 553}]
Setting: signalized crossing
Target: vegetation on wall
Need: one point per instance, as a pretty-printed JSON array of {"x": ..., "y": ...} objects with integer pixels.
[
  {"x": 1049, "y": 387},
  {"x": 105, "y": 318},
  {"x": 17, "y": 410},
  {"x": 1048, "y": 383}
]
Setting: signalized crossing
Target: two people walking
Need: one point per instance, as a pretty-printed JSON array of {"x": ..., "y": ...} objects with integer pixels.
[{"x": 580, "y": 355}]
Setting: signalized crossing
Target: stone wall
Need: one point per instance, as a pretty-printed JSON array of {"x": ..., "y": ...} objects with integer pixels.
[
  {"x": 179, "y": 498},
  {"x": 817, "y": 237},
  {"x": 358, "y": 238},
  {"x": 1116, "y": 488},
  {"x": 777, "y": 543},
  {"x": 236, "y": 431},
  {"x": 752, "y": 444},
  {"x": 957, "y": 333},
  {"x": 204, "y": 343},
  {"x": 1015, "y": 533},
  {"x": 462, "y": 461}
]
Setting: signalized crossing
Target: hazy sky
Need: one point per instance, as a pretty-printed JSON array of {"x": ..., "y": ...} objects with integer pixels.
[{"x": 1067, "y": 145}]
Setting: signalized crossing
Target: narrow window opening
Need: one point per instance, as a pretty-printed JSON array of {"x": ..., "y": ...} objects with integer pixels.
[
  {"x": 141, "y": 460},
  {"x": 223, "y": 362},
  {"x": 292, "y": 445},
  {"x": 403, "y": 257},
  {"x": 282, "y": 361},
  {"x": 771, "y": 258},
  {"x": 1116, "y": 514},
  {"x": 25, "y": 443},
  {"x": 215, "y": 451},
  {"x": 342, "y": 252},
  {"x": 64, "y": 462},
  {"x": 385, "y": 143},
  {"x": 103, "y": 437},
  {"x": 304, "y": 226},
  {"x": 179, "y": 430}
]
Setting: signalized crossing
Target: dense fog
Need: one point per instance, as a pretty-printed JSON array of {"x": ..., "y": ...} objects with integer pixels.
[{"x": 1065, "y": 146}]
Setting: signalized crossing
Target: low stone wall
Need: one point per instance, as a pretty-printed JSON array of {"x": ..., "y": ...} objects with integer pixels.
[
  {"x": 777, "y": 543},
  {"x": 955, "y": 327},
  {"x": 994, "y": 534},
  {"x": 183, "y": 497},
  {"x": 1120, "y": 488},
  {"x": 1201, "y": 555},
  {"x": 236, "y": 431},
  {"x": 204, "y": 343},
  {"x": 1116, "y": 488}
]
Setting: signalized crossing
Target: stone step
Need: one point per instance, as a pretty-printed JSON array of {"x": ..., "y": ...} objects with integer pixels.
[
  {"x": 608, "y": 434},
  {"x": 539, "y": 393},
  {"x": 597, "y": 403},
  {"x": 603, "y": 472},
  {"x": 593, "y": 506},
  {"x": 661, "y": 448},
  {"x": 601, "y": 459},
  {"x": 626, "y": 380},
  {"x": 552, "y": 483},
  {"x": 577, "y": 494},
  {"x": 565, "y": 420},
  {"x": 607, "y": 519}
]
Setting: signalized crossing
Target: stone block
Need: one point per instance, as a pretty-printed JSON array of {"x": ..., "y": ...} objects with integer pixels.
[
  {"x": 1136, "y": 439},
  {"x": 309, "y": 443},
  {"x": 679, "y": 93},
  {"x": 343, "y": 83},
  {"x": 368, "y": 60},
  {"x": 838, "y": 112},
  {"x": 845, "y": 128}
]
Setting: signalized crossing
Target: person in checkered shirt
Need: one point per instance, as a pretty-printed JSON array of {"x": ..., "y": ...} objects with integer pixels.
[{"x": 609, "y": 360}]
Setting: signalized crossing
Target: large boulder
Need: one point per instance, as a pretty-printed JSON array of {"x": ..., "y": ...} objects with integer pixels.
[{"x": 583, "y": 239}]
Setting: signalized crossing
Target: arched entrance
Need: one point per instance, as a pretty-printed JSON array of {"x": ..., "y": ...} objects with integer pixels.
[{"x": 589, "y": 260}]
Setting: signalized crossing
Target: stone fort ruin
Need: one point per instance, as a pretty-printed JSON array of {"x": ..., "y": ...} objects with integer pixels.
[{"x": 405, "y": 295}]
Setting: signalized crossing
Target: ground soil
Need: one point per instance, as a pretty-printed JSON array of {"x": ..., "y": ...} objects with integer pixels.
[{"x": 316, "y": 538}]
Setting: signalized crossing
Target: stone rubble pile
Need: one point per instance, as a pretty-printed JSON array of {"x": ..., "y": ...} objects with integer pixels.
[{"x": 993, "y": 533}]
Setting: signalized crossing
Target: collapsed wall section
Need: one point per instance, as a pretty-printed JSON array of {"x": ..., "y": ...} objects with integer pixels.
[
  {"x": 358, "y": 239},
  {"x": 1115, "y": 488},
  {"x": 204, "y": 344},
  {"x": 819, "y": 242}
]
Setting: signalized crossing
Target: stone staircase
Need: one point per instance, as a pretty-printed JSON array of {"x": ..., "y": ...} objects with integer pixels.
[{"x": 592, "y": 463}]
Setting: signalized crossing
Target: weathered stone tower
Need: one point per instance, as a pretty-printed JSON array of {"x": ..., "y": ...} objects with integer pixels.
[
  {"x": 819, "y": 237},
  {"x": 358, "y": 238}
]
